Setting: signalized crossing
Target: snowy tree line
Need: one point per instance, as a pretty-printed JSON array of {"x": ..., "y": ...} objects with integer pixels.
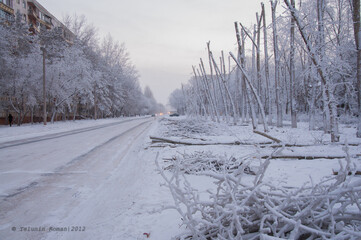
[
  {"x": 86, "y": 78},
  {"x": 306, "y": 61}
]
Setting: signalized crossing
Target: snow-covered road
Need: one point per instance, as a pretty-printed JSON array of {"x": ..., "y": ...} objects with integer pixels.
[{"x": 79, "y": 180}]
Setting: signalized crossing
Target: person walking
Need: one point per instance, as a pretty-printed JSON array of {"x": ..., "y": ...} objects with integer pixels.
[{"x": 10, "y": 117}]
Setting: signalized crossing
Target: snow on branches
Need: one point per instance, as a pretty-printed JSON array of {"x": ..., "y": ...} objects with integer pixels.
[{"x": 237, "y": 208}]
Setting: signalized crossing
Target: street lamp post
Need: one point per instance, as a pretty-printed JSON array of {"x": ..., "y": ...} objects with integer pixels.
[{"x": 44, "y": 89}]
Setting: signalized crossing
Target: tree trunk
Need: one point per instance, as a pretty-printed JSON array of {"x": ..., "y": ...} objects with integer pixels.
[
  {"x": 206, "y": 96},
  {"x": 258, "y": 99},
  {"x": 258, "y": 63},
  {"x": 32, "y": 115},
  {"x": 212, "y": 85},
  {"x": 75, "y": 109},
  {"x": 277, "y": 64},
  {"x": 53, "y": 116},
  {"x": 95, "y": 104},
  {"x": 240, "y": 43},
  {"x": 223, "y": 97},
  {"x": 292, "y": 72},
  {"x": 312, "y": 110},
  {"x": 209, "y": 92},
  {"x": 244, "y": 86},
  {"x": 252, "y": 109},
  {"x": 357, "y": 34},
  {"x": 198, "y": 92},
  {"x": 268, "y": 101},
  {"x": 321, "y": 54},
  {"x": 329, "y": 98},
  {"x": 225, "y": 86}
]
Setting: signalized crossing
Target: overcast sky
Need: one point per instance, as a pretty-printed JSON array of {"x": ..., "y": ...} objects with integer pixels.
[{"x": 164, "y": 37}]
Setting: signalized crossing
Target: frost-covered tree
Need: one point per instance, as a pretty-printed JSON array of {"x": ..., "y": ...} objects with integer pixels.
[
  {"x": 152, "y": 105},
  {"x": 177, "y": 101},
  {"x": 312, "y": 68},
  {"x": 85, "y": 77},
  {"x": 19, "y": 57}
]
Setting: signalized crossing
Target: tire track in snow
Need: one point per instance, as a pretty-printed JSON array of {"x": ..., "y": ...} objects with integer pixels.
[{"x": 58, "y": 170}]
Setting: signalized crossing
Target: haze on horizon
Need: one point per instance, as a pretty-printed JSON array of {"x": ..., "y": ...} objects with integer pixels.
[{"x": 164, "y": 38}]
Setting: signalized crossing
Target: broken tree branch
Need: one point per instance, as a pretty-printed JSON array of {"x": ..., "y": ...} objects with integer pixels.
[
  {"x": 267, "y": 136},
  {"x": 185, "y": 142},
  {"x": 302, "y": 157}
]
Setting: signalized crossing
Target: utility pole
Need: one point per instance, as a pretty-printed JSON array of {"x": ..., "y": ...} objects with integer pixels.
[{"x": 44, "y": 89}]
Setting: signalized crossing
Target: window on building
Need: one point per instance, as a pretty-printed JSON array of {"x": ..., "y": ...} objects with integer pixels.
[
  {"x": 7, "y": 2},
  {"x": 24, "y": 4},
  {"x": 18, "y": 1}
]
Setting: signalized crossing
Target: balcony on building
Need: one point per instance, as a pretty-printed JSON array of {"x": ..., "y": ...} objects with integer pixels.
[
  {"x": 6, "y": 10},
  {"x": 38, "y": 19}
]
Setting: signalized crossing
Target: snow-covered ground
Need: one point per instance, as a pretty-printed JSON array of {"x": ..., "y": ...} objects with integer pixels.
[
  {"x": 103, "y": 181},
  {"x": 293, "y": 172}
]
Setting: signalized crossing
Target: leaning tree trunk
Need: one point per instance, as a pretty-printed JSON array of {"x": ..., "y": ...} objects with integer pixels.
[
  {"x": 219, "y": 74},
  {"x": 214, "y": 107},
  {"x": 329, "y": 98},
  {"x": 206, "y": 96},
  {"x": 198, "y": 92},
  {"x": 254, "y": 91},
  {"x": 211, "y": 78}
]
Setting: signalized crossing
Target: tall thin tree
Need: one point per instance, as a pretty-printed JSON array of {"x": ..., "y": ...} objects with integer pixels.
[{"x": 292, "y": 72}]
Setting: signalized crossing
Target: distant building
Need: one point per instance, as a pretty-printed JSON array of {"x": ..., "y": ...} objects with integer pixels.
[{"x": 33, "y": 13}]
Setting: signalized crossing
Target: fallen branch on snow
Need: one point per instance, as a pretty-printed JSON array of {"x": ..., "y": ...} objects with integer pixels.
[
  {"x": 302, "y": 157},
  {"x": 237, "y": 209},
  {"x": 191, "y": 142},
  {"x": 267, "y": 136}
]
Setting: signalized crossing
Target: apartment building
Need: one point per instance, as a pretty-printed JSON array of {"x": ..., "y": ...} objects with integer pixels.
[{"x": 33, "y": 13}]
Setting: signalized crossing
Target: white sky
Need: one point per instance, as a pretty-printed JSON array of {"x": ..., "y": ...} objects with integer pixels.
[{"x": 164, "y": 37}]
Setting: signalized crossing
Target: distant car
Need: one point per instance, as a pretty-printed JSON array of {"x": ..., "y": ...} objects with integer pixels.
[{"x": 174, "y": 115}]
